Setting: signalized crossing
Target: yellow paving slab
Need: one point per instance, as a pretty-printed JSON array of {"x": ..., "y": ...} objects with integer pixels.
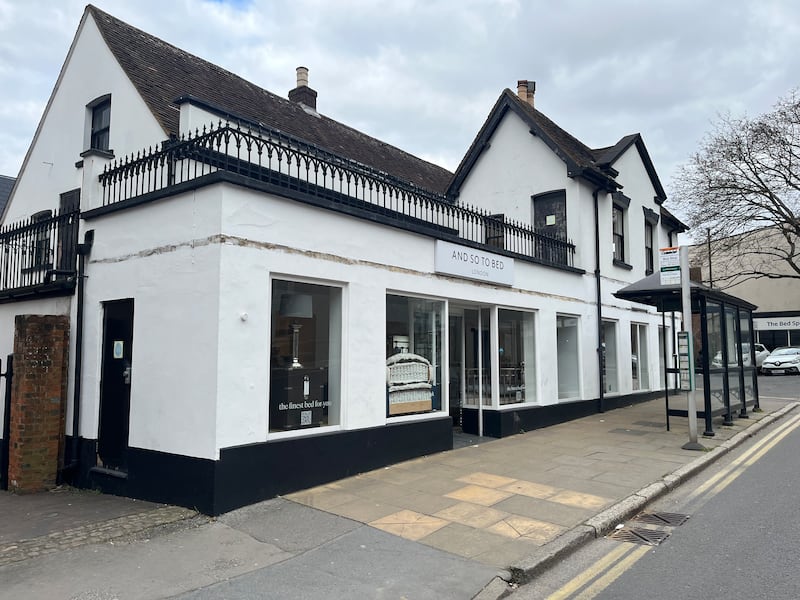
[
  {"x": 487, "y": 480},
  {"x": 472, "y": 515},
  {"x": 323, "y": 497},
  {"x": 516, "y": 526},
  {"x": 532, "y": 490},
  {"x": 409, "y": 524},
  {"x": 478, "y": 494},
  {"x": 579, "y": 499}
]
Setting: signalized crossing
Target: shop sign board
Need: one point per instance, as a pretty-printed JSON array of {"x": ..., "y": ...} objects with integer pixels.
[{"x": 461, "y": 261}]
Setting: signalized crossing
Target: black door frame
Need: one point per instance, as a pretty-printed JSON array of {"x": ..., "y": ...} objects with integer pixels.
[{"x": 115, "y": 375}]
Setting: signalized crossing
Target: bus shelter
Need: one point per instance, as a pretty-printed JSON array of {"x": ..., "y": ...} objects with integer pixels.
[{"x": 724, "y": 356}]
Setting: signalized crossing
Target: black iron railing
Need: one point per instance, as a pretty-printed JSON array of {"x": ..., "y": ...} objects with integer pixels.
[
  {"x": 38, "y": 251},
  {"x": 275, "y": 158}
]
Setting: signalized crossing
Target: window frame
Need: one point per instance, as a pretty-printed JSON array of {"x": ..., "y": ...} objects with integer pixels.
[
  {"x": 649, "y": 236},
  {"x": 619, "y": 229},
  {"x": 98, "y": 135},
  {"x": 335, "y": 379},
  {"x": 574, "y": 370},
  {"x": 651, "y": 219}
]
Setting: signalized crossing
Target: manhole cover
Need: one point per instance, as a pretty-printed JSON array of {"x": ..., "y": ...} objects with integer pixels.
[
  {"x": 639, "y": 535},
  {"x": 661, "y": 518}
]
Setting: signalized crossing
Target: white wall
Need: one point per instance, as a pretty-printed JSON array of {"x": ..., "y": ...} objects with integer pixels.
[
  {"x": 165, "y": 257},
  {"x": 49, "y": 169}
]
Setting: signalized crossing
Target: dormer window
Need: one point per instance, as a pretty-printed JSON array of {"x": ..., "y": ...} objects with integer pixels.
[{"x": 98, "y": 124}]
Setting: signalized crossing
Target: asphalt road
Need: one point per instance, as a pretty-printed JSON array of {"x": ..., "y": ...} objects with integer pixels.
[{"x": 741, "y": 539}]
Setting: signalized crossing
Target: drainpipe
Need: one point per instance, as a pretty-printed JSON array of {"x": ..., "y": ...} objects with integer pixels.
[
  {"x": 83, "y": 252},
  {"x": 601, "y": 346}
]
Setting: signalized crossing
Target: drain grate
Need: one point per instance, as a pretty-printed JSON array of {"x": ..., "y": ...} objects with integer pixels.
[
  {"x": 639, "y": 535},
  {"x": 661, "y": 518}
]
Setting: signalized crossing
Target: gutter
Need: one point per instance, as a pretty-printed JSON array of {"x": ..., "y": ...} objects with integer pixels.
[
  {"x": 83, "y": 251},
  {"x": 601, "y": 345}
]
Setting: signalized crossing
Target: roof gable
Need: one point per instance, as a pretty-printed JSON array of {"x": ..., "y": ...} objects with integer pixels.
[
  {"x": 579, "y": 158},
  {"x": 606, "y": 157},
  {"x": 162, "y": 73}
]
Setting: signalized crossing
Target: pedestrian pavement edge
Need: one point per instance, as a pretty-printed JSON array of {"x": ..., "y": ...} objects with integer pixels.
[{"x": 603, "y": 522}]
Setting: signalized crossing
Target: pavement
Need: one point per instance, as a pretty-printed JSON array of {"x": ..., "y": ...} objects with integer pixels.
[{"x": 473, "y": 522}]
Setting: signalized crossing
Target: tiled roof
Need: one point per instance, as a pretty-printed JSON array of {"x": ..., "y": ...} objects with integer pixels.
[
  {"x": 579, "y": 152},
  {"x": 579, "y": 158},
  {"x": 595, "y": 165},
  {"x": 6, "y": 183},
  {"x": 162, "y": 73}
]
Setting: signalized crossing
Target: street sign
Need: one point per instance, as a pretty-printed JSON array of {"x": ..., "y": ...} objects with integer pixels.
[{"x": 669, "y": 266}]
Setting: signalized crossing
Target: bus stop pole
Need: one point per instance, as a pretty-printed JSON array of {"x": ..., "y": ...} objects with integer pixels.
[{"x": 686, "y": 302}]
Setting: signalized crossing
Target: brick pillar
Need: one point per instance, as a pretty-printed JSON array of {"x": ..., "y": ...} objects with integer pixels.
[{"x": 38, "y": 401}]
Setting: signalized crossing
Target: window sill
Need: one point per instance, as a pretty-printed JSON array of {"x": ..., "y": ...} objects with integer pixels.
[
  {"x": 97, "y": 152},
  {"x": 622, "y": 264}
]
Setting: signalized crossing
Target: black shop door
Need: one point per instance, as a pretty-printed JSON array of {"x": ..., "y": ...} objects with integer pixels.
[{"x": 115, "y": 383}]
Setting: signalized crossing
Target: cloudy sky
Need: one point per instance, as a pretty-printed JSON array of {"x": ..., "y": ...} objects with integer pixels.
[{"x": 423, "y": 74}]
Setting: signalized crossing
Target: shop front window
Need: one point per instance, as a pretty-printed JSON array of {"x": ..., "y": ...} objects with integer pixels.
[
  {"x": 516, "y": 356},
  {"x": 610, "y": 372},
  {"x": 414, "y": 333},
  {"x": 305, "y": 357},
  {"x": 567, "y": 353},
  {"x": 640, "y": 375}
]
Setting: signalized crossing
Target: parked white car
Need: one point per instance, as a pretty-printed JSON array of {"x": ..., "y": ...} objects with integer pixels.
[
  {"x": 761, "y": 355},
  {"x": 782, "y": 360}
]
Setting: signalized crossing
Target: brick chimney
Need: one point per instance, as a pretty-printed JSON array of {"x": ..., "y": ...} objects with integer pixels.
[
  {"x": 303, "y": 94},
  {"x": 525, "y": 90}
]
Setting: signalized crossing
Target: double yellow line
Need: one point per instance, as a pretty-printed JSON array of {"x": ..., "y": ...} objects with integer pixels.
[
  {"x": 726, "y": 476},
  {"x": 605, "y": 571},
  {"x": 602, "y": 573}
]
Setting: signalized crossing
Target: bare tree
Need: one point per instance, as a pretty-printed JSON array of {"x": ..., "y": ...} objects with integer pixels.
[{"x": 742, "y": 189}]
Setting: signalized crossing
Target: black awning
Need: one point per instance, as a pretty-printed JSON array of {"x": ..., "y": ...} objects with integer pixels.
[{"x": 667, "y": 298}]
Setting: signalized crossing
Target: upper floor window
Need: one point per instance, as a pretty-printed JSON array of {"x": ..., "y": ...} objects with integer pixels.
[
  {"x": 618, "y": 218},
  {"x": 650, "y": 221},
  {"x": 101, "y": 121},
  {"x": 98, "y": 124},
  {"x": 495, "y": 231},
  {"x": 550, "y": 223},
  {"x": 619, "y": 215}
]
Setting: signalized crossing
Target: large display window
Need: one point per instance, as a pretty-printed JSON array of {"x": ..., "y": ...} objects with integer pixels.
[
  {"x": 567, "y": 352},
  {"x": 640, "y": 369},
  {"x": 516, "y": 357},
  {"x": 305, "y": 356},
  {"x": 414, "y": 334},
  {"x": 610, "y": 365}
]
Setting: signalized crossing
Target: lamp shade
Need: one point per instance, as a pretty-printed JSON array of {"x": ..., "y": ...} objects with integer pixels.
[{"x": 297, "y": 306}]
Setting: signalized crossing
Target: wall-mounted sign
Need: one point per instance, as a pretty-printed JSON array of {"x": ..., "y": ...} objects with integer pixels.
[
  {"x": 669, "y": 264},
  {"x": 776, "y": 323},
  {"x": 469, "y": 263}
]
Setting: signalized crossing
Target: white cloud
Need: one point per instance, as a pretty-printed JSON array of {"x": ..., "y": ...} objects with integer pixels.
[{"x": 423, "y": 75}]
